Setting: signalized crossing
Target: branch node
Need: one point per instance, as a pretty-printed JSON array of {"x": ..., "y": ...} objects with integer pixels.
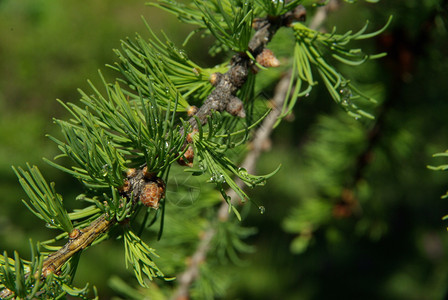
[
  {"x": 235, "y": 107},
  {"x": 215, "y": 78},
  {"x": 267, "y": 59}
]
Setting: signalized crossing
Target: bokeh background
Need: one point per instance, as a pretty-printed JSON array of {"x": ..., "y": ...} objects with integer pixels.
[{"x": 354, "y": 211}]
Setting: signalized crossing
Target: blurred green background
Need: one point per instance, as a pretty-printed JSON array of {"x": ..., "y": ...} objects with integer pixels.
[{"x": 354, "y": 212}]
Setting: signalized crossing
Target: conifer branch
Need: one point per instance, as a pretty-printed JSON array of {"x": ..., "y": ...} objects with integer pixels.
[
  {"x": 139, "y": 132},
  {"x": 223, "y": 97},
  {"x": 258, "y": 145},
  {"x": 79, "y": 239}
]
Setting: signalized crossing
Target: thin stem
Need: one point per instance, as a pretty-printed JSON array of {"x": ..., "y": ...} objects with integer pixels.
[{"x": 79, "y": 239}]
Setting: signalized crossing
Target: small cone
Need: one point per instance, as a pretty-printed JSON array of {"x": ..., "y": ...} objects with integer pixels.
[{"x": 267, "y": 59}]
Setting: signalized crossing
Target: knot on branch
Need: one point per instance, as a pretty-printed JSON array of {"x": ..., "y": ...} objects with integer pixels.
[
  {"x": 238, "y": 73},
  {"x": 223, "y": 97},
  {"x": 145, "y": 186},
  {"x": 235, "y": 107}
]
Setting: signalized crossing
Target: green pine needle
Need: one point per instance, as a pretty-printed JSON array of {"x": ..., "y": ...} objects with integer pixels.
[
  {"x": 310, "y": 50},
  {"x": 139, "y": 255},
  {"x": 44, "y": 202}
]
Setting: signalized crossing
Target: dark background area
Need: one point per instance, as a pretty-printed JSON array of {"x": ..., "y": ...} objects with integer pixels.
[{"x": 354, "y": 211}]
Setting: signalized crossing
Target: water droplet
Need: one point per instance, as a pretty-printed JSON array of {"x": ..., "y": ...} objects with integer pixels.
[
  {"x": 346, "y": 94},
  {"x": 182, "y": 54},
  {"x": 242, "y": 171},
  {"x": 105, "y": 170},
  {"x": 262, "y": 209},
  {"x": 221, "y": 179},
  {"x": 217, "y": 178},
  {"x": 51, "y": 224},
  {"x": 196, "y": 72}
]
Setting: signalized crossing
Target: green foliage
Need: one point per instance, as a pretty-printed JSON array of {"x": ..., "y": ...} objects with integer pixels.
[
  {"x": 230, "y": 21},
  {"x": 137, "y": 120},
  {"x": 443, "y": 167},
  {"x": 172, "y": 74},
  {"x": 211, "y": 146},
  {"x": 328, "y": 164},
  {"x": 117, "y": 206},
  {"x": 310, "y": 49},
  {"x": 14, "y": 279},
  {"x": 138, "y": 254},
  {"x": 108, "y": 133},
  {"x": 278, "y": 7},
  {"x": 22, "y": 277},
  {"x": 45, "y": 203},
  {"x": 229, "y": 241}
]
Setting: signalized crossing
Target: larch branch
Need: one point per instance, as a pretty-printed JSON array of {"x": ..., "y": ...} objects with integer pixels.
[{"x": 261, "y": 138}]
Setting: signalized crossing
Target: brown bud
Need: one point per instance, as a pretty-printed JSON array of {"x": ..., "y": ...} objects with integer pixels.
[
  {"x": 300, "y": 13},
  {"x": 48, "y": 271},
  {"x": 75, "y": 233},
  {"x": 190, "y": 136},
  {"x": 131, "y": 172},
  {"x": 258, "y": 23},
  {"x": 152, "y": 193},
  {"x": 215, "y": 78},
  {"x": 36, "y": 275},
  {"x": 147, "y": 174},
  {"x": 125, "y": 187},
  {"x": 235, "y": 107},
  {"x": 192, "y": 110},
  {"x": 267, "y": 59},
  {"x": 188, "y": 157}
]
